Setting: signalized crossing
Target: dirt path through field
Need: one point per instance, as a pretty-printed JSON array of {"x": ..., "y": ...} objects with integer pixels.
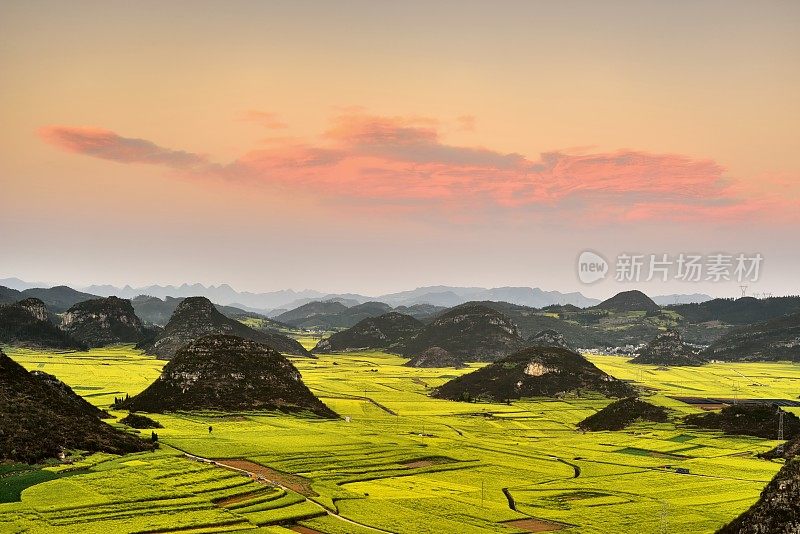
[
  {"x": 305, "y": 530},
  {"x": 295, "y": 483},
  {"x": 239, "y": 465}
]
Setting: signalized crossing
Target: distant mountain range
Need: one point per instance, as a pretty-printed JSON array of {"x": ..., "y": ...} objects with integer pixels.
[
  {"x": 453, "y": 296},
  {"x": 278, "y": 302},
  {"x": 221, "y": 294},
  {"x": 623, "y": 323}
]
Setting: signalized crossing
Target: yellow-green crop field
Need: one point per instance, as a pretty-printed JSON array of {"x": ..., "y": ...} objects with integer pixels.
[{"x": 404, "y": 462}]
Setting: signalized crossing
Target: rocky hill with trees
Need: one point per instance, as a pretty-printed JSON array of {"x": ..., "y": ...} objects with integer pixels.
[
  {"x": 534, "y": 372},
  {"x": 196, "y": 317},
  {"x": 226, "y": 372}
]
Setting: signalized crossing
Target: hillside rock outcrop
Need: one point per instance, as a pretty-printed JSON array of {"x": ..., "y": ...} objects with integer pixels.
[
  {"x": 776, "y": 339},
  {"x": 435, "y": 357},
  {"x": 534, "y": 372},
  {"x": 777, "y": 511},
  {"x": 628, "y": 301},
  {"x": 549, "y": 338},
  {"x": 668, "y": 349},
  {"x": 104, "y": 321},
  {"x": 619, "y": 414},
  {"x": 759, "y": 420},
  {"x": 224, "y": 372},
  {"x": 41, "y": 417},
  {"x": 383, "y": 332},
  {"x": 196, "y": 317},
  {"x": 470, "y": 332},
  {"x": 28, "y": 323}
]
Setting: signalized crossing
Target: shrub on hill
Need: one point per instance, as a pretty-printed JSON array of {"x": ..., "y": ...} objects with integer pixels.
[
  {"x": 41, "y": 418},
  {"x": 534, "y": 372},
  {"x": 759, "y": 420},
  {"x": 471, "y": 332},
  {"x": 383, "y": 332},
  {"x": 619, "y": 414},
  {"x": 223, "y": 372},
  {"x": 135, "y": 420}
]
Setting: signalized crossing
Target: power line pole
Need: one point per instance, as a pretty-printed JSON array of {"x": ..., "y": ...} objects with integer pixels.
[{"x": 780, "y": 430}]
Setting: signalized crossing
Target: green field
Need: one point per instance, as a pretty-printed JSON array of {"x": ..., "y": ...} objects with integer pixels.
[{"x": 405, "y": 462}]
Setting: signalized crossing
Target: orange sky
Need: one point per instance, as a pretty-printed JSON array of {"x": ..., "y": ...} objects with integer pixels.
[{"x": 371, "y": 147}]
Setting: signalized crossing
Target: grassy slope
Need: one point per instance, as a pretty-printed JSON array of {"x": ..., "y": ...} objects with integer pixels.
[{"x": 358, "y": 467}]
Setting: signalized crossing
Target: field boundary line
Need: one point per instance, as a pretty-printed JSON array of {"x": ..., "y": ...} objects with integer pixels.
[{"x": 258, "y": 477}]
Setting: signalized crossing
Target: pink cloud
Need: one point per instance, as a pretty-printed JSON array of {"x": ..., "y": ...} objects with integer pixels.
[
  {"x": 404, "y": 162},
  {"x": 413, "y": 140},
  {"x": 105, "y": 144}
]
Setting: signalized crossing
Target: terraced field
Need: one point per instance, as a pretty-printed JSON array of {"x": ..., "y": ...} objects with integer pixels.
[{"x": 403, "y": 462}]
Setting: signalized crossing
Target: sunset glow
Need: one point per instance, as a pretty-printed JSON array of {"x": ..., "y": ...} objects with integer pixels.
[{"x": 437, "y": 130}]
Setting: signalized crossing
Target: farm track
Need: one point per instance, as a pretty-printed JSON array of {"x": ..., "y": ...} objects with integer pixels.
[{"x": 326, "y": 510}]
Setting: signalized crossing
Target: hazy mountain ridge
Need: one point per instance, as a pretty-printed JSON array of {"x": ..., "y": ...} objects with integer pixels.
[
  {"x": 221, "y": 294},
  {"x": 288, "y": 299},
  {"x": 453, "y": 296}
]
